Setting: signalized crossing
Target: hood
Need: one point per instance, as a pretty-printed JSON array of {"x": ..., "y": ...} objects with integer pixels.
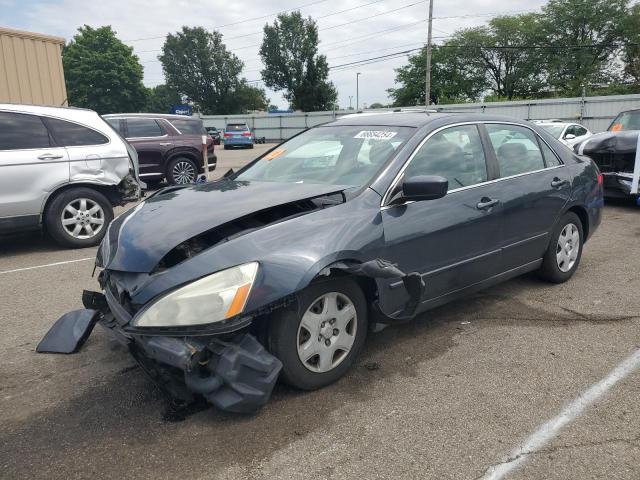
[
  {"x": 609, "y": 142},
  {"x": 178, "y": 222}
]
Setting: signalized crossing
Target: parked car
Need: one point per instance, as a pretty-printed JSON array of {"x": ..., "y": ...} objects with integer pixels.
[
  {"x": 214, "y": 134},
  {"x": 169, "y": 146},
  {"x": 62, "y": 169},
  {"x": 369, "y": 219},
  {"x": 616, "y": 154},
  {"x": 567, "y": 132},
  {"x": 238, "y": 135}
]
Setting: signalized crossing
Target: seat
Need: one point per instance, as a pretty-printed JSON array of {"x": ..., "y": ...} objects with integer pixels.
[{"x": 512, "y": 158}]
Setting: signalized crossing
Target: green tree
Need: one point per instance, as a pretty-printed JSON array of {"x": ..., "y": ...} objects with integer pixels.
[
  {"x": 376, "y": 105},
  {"x": 197, "y": 64},
  {"x": 161, "y": 98},
  {"x": 102, "y": 73},
  {"x": 631, "y": 52},
  {"x": 289, "y": 52},
  {"x": 453, "y": 79},
  {"x": 248, "y": 97},
  {"x": 584, "y": 35}
]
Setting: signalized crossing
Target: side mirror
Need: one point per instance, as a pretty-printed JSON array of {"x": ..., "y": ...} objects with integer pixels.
[
  {"x": 569, "y": 136},
  {"x": 424, "y": 187}
]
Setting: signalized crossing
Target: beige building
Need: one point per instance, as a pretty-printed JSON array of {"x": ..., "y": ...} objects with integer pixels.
[{"x": 31, "y": 68}]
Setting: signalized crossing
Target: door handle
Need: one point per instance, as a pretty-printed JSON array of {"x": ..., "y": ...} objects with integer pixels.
[
  {"x": 557, "y": 182},
  {"x": 487, "y": 203},
  {"x": 166, "y": 144},
  {"x": 49, "y": 156}
]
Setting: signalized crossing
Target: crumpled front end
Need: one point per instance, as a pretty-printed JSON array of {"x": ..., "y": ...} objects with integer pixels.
[{"x": 230, "y": 369}]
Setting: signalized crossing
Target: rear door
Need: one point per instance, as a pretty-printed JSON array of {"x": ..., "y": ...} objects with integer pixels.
[
  {"x": 535, "y": 187},
  {"x": 151, "y": 141},
  {"x": 454, "y": 241},
  {"x": 31, "y": 165},
  {"x": 91, "y": 156}
]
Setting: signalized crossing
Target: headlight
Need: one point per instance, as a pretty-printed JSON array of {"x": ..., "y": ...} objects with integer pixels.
[{"x": 208, "y": 300}]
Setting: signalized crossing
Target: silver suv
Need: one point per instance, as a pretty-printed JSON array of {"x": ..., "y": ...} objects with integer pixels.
[{"x": 63, "y": 169}]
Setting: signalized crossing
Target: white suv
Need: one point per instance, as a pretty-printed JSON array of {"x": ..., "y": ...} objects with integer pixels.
[{"x": 62, "y": 169}]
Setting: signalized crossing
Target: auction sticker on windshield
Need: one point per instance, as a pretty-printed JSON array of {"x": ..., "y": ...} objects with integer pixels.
[
  {"x": 376, "y": 135},
  {"x": 275, "y": 154}
]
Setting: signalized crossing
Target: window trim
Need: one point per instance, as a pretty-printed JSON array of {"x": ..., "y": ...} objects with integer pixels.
[{"x": 384, "y": 203}]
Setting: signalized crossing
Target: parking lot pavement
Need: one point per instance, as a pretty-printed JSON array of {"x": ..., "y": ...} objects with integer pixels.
[
  {"x": 447, "y": 396},
  {"x": 237, "y": 157}
]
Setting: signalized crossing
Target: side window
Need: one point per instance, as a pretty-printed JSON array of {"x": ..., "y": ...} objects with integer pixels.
[
  {"x": 550, "y": 158},
  {"x": 69, "y": 134},
  {"x": 455, "y": 153},
  {"x": 115, "y": 123},
  {"x": 580, "y": 131},
  {"x": 571, "y": 130},
  {"x": 143, "y": 127},
  {"x": 516, "y": 148},
  {"x": 20, "y": 131}
]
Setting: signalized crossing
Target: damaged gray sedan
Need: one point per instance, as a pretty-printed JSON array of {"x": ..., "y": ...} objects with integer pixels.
[{"x": 280, "y": 269}]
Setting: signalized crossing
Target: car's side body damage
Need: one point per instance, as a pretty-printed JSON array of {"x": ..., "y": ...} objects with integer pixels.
[{"x": 297, "y": 233}]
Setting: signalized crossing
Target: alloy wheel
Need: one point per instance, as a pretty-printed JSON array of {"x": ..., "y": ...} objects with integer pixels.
[
  {"x": 568, "y": 247},
  {"x": 82, "y": 218},
  {"x": 183, "y": 172},
  {"x": 327, "y": 332}
]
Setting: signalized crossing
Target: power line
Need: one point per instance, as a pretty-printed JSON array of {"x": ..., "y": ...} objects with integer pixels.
[
  {"x": 315, "y": 18},
  {"x": 241, "y": 21},
  {"x": 345, "y": 24}
]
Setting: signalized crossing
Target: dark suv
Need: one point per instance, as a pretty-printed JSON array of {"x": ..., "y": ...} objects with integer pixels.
[{"x": 169, "y": 146}]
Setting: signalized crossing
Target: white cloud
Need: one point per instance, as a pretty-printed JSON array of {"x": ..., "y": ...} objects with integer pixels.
[{"x": 134, "y": 19}]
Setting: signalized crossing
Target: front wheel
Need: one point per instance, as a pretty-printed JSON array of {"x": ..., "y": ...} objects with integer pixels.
[
  {"x": 563, "y": 255},
  {"x": 78, "y": 217},
  {"x": 318, "y": 342}
]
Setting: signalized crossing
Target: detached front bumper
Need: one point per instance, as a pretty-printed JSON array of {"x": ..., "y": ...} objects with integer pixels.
[{"x": 233, "y": 371}]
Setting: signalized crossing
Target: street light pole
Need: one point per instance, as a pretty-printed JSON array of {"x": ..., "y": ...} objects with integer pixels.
[
  {"x": 429, "y": 32},
  {"x": 358, "y": 92}
]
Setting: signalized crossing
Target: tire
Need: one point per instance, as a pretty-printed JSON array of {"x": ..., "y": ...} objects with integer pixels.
[
  {"x": 251, "y": 146},
  {"x": 287, "y": 332},
  {"x": 561, "y": 259},
  {"x": 181, "y": 171},
  {"x": 75, "y": 230},
  {"x": 226, "y": 147}
]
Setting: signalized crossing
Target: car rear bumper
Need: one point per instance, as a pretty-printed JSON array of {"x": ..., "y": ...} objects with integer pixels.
[{"x": 238, "y": 141}]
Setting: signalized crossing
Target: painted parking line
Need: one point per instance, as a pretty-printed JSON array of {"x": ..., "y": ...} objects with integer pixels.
[
  {"x": 569, "y": 413},
  {"x": 15, "y": 270}
]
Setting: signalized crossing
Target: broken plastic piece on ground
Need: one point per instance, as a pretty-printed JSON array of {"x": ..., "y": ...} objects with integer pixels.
[{"x": 69, "y": 333}]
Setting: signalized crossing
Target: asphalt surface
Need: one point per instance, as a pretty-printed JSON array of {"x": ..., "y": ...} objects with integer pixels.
[{"x": 444, "y": 397}]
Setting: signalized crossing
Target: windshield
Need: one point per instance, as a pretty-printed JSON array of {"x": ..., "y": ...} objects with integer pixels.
[
  {"x": 341, "y": 155},
  {"x": 555, "y": 130},
  {"x": 626, "y": 121}
]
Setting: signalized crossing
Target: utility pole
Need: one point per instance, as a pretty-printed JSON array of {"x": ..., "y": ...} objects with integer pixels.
[
  {"x": 358, "y": 92},
  {"x": 350, "y": 97},
  {"x": 429, "y": 32}
]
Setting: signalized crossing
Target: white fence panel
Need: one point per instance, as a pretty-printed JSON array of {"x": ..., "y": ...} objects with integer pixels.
[{"x": 596, "y": 113}]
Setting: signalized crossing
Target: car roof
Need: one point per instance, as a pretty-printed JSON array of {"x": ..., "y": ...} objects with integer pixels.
[
  {"x": 167, "y": 116},
  {"x": 418, "y": 119}
]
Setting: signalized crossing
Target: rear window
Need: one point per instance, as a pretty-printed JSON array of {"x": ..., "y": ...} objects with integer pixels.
[
  {"x": 20, "y": 131},
  {"x": 189, "y": 127},
  {"x": 68, "y": 134},
  {"x": 237, "y": 127},
  {"x": 626, "y": 121}
]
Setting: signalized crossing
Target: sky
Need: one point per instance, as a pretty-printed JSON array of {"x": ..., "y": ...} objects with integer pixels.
[{"x": 364, "y": 29}]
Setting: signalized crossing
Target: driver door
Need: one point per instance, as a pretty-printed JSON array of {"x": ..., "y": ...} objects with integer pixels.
[{"x": 454, "y": 241}]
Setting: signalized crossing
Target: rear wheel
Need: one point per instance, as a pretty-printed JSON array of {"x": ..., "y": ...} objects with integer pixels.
[
  {"x": 318, "y": 342},
  {"x": 563, "y": 255},
  {"x": 181, "y": 171},
  {"x": 78, "y": 217}
]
